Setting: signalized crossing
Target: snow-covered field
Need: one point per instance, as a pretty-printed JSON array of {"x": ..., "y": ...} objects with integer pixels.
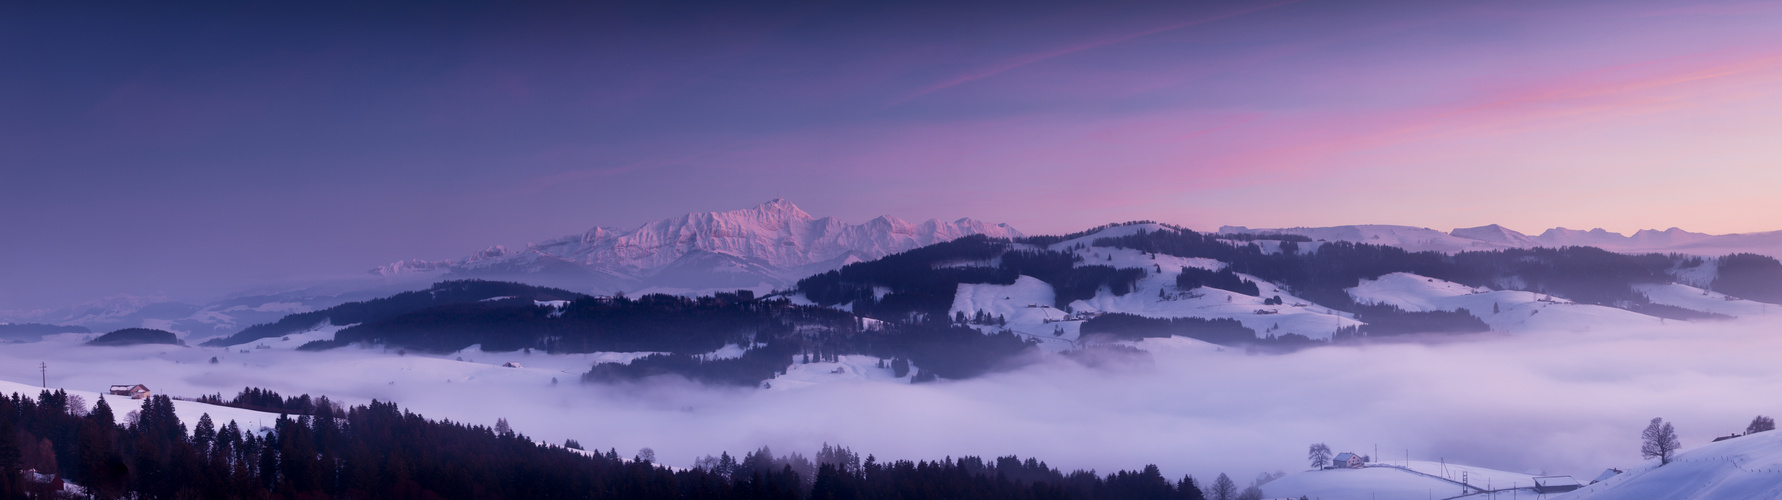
[
  {"x": 1748, "y": 467},
  {"x": 1383, "y": 483},
  {"x": 1503, "y": 310}
]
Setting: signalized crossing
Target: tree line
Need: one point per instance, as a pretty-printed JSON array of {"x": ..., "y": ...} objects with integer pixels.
[{"x": 379, "y": 450}]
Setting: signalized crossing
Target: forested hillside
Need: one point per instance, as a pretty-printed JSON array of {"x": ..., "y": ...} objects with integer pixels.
[{"x": 381, "y": 451}]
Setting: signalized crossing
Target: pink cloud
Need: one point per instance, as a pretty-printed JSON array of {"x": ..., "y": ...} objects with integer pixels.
[{"x": 1025, "y": 60}]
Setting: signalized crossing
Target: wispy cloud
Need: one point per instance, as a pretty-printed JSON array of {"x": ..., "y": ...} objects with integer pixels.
[{"x": 1037, "y": 57}]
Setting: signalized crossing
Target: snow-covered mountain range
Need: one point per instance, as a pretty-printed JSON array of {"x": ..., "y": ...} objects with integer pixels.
[
  {"x": 767, "y": 246},
  {"x": 1494, "y": 237}
]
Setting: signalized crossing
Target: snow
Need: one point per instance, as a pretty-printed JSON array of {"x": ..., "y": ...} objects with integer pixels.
[
  {"x": 1416, "y": 479},
  {"x": 1367, "y": 483},
  {"x": 729, "y": 351},
  {"x": 775, "y": 240},
  {"x": 1696, "y": 299},
  {"x": 1475, "y": 476},
  {"x": 1517, "y": 311},
  {"x": 1747, "y": 467},
  {"x": 1026, "y": 305},
  {"x": 851, "y": 368},
  {"x": 1112, "y": 232},
  {"x": 188, "y": 411},
  {"x": 1296, "y": 315}
]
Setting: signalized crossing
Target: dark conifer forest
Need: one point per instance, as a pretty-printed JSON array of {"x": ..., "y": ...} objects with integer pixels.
[{"x": 379, "y": 450}]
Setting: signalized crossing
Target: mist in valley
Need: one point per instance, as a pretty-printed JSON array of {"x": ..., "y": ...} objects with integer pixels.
[{"x": 1560, "y": 402}]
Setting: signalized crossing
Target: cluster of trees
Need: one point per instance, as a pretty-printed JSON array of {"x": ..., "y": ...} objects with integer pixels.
[
  {"x": 756, "y": 364},
  {"x": 380, "y": 451},
  {"x": 1223, "y": 279},
  {"x": 662, "y": 323},
  {"x": 1750, "y": 276},
  {"x": 136, "y": 336},
  {"x": 1122, "y": 326},
  {"x": 922, "y": 282},
  {"x": 369, "y": 311},
  {"x": 1387, "y": 319},
  {"x": 257, "y": 399}
]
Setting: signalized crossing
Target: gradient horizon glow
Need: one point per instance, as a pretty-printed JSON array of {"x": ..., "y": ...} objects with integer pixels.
[{"x": 200, "y": 150}]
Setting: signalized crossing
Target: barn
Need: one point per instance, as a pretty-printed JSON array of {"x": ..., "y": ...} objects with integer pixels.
[{"x": 137, "y": 391}]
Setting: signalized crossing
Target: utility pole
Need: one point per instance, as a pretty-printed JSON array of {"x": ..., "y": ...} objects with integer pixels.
[{"x": 43, "y": 369}]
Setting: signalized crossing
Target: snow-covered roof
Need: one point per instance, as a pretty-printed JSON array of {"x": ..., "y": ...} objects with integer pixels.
[
  {"x": 1555, "y": 481},
  {"x": 1607, "y": 473}
]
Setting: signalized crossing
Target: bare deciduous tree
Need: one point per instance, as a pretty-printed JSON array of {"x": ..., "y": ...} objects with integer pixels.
[
  {"x": 1659, "y": 440},
  {"x": 1222, "y": 489},
  {"x": 1319, "y": 454}
]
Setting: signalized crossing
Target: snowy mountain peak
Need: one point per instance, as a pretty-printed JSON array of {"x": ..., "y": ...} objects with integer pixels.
[
  {"x": 1495, "y": 234},
  {"x": 769, "y": 244}
]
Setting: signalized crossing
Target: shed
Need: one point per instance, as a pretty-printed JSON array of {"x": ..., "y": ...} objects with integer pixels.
[
  {"x": 137, "y": 391},
  {"x": 1555, "y": 484},
  {"x": 1607, "y": 473}
]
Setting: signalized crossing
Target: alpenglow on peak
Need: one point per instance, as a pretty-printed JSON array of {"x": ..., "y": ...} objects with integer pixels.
[{"x": 769, "y": 245}]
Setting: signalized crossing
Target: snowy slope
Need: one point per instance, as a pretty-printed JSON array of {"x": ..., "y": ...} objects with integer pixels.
[
  {"x": 851, "y": 368},
  {"x": 1748, "y": 467},
  {"x": 1494, "y": 233},
  {"x": 1516, "y": 311},
  {"x": 1416, "y": 239},
  {"x": 1295, "y": 316},
  {"x": 769, "y": 245},
  {"x": 1027, "y": 306},
  {"x": 1692, "y": 298},
  {"x": 188, "y": 411},
  {"x": 1415, "y": 479},
  {"x": 1368, "y": 483}
]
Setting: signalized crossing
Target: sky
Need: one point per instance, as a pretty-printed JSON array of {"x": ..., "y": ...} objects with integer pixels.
[{"x": 148, "y": 148}]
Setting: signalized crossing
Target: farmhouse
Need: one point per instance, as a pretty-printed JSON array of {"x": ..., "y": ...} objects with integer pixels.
[
  {"x": 1346, "y": 460},
  {"x": 137, "y": 391}
]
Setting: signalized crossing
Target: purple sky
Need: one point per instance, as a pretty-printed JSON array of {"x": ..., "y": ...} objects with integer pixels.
[{"x": 206, "y": 150}]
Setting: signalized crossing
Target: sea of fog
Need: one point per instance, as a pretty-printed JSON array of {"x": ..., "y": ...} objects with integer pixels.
[{"x": 1544, "y": 402}]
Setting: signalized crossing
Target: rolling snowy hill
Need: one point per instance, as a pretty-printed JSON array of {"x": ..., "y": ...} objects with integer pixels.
[{"x": 1746, "y": 467}]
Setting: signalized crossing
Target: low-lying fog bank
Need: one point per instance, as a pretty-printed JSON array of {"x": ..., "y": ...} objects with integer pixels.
[{"x": 1554, "y": 402}]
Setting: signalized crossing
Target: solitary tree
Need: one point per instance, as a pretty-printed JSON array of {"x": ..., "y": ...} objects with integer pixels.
[
  {"x": 1319, "y": 455},
  {"x": 1222, "y": 489},
  {"x": 1659, "y": 440},
  {"x": 1251, "y": 493},
  {"x": 1760, "y": 424}
]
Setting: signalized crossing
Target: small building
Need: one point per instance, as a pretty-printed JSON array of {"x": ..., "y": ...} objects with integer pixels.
[
  {"x": 1607, "y": 473},
  {"x": 137, "y": 391},
  {"x": 511, "y": 364},
  {"x": 1346, "y": 460},
  {"x": 1555, "y": 484}
]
